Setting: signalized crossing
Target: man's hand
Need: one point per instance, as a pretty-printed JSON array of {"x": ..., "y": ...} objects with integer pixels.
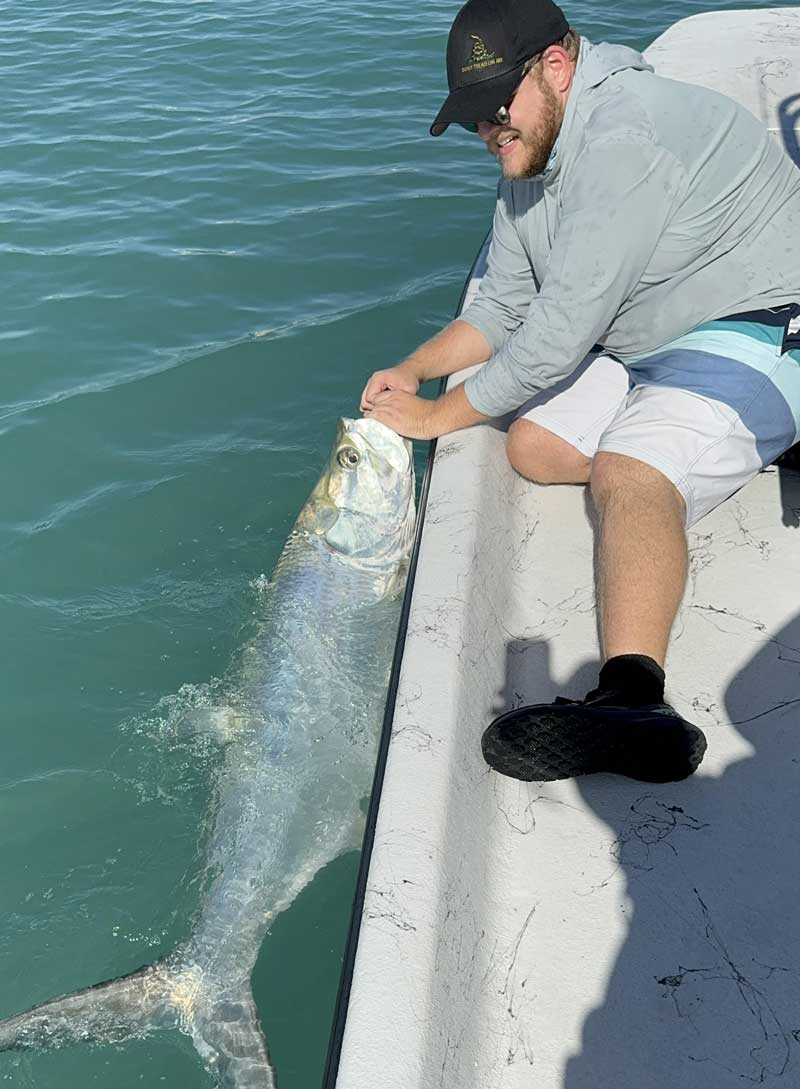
[
  {"x": 410, "y": 416},
  {"x": 396, "y": 378},
  {"x": 419, "y": 418}
]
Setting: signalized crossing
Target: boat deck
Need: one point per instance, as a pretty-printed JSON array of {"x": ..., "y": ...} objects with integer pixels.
[{"x": 594, "y": 933}]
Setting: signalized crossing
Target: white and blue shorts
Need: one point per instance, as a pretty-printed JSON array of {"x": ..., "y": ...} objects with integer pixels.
[{"x": 709, "y": 410}]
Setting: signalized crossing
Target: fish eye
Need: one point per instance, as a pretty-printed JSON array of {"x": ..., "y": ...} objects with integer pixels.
[{"x": 348, "y": 457}]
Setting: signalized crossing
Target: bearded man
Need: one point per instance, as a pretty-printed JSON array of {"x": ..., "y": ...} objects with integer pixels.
[{"x": 634, "y": 315}]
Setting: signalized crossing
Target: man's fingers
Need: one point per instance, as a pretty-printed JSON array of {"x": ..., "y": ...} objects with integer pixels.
[
  {"x": 381, "y": 386},
  {"x": 382, "y": 417},
  {"x": 370, "y": 390},
  {"x": 388, "y": 396}
]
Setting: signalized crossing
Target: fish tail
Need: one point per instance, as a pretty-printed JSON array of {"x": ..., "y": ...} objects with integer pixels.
[
  {"x": 106, "y": 1012},
  {"x": 222, "y": 1022},
  {"x": 229, "y": 1039}
]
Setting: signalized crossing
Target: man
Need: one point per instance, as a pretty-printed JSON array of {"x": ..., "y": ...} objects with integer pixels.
[{"x": 643, "y": 271}]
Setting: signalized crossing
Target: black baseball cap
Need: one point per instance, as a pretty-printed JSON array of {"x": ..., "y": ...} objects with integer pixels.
[{"x": 489, "y": 43}]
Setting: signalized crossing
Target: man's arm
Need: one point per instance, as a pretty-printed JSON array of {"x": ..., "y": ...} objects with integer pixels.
[
  {"x": 616, "y": 204},
  {"x": 455, "y": 347},
  {"x": 389, "y": 401},
  {"x": 509, "y": 283},
  {"x": 419, "y": 418},
  {"x": 504, "y": 295}
]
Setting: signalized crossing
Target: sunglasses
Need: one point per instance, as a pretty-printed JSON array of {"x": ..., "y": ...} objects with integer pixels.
[{"x": 503, "y": 115}]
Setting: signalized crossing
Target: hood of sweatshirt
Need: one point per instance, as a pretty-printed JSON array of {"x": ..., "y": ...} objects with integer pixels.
[{"x": 595, "y": 64}]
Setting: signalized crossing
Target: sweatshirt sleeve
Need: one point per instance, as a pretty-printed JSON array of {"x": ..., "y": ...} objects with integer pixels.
[
  {"x": 614, "y": 208},
  {"x": 508, "y": 284}
]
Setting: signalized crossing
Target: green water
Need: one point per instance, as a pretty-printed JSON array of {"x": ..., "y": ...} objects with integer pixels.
[{"x": 217, "y": 220}]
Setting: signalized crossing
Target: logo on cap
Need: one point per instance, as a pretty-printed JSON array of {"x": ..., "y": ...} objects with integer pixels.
[{"x": 481, "y": 57}]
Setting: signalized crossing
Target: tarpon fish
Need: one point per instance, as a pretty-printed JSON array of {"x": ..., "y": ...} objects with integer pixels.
[{"x": 300, "y": 722}]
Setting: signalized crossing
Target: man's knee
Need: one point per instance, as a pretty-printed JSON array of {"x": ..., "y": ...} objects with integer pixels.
[{"x": 540, "y": 456}]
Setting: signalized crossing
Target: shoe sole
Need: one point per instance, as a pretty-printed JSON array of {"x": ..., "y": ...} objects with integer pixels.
[{"x": 549, "y": 742}]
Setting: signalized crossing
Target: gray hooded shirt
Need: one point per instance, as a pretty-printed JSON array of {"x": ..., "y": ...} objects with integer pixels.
[{"x": 663, "y": 205}]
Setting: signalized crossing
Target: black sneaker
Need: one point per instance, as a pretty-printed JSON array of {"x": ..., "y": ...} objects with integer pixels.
[{"x": 566, "y": 738}]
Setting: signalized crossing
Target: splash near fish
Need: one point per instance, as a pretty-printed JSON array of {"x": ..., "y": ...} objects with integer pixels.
[{"x": 300, "y": 736}]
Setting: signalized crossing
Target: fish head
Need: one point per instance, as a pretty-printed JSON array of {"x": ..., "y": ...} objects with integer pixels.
[{"x": 363, "y": 505}]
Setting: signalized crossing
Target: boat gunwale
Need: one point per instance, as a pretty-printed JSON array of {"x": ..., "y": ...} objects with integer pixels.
[{"x": 331, "y": 1072}]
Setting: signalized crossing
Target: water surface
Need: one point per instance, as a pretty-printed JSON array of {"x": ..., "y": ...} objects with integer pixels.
[{"x": 217, "y": 220}]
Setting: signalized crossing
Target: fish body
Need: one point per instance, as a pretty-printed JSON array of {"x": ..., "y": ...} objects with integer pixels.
[{"x": 300, "y": 729}]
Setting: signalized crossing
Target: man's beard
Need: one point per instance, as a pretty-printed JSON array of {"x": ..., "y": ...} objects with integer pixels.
[{"x": 537, "y": 146}]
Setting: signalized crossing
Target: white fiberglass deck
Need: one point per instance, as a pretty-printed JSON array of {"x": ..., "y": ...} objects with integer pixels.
[{"x": 597, "y": 933}]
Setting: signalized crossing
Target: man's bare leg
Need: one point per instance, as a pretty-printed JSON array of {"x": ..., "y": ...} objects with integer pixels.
[
  {"x": 642, "y": 547},
  {"x": 624, "y": 726},
  {"x": 642, "y": 555},
  {"x": 541, "y": 456}
]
